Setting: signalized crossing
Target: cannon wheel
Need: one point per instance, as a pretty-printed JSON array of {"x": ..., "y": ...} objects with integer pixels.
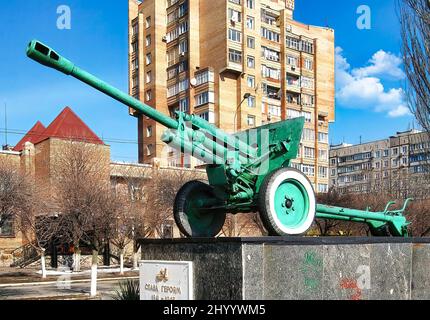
[
  {"x": 191, "y": 221},
  {"x": 287, "y": 202}
]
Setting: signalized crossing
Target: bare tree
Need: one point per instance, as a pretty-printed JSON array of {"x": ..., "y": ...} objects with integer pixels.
[
  {"x": 15, "y": 191},
  {"x": 415, "y": 30},
  {"x": 37, "y": 223},
  {"x": 87, "y": 205},
  {"x": 159, "y": 193}
]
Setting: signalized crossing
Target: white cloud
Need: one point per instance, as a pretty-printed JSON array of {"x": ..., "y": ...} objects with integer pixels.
[
  {"x": 362, "y": 88},
  {"x": 382, "y": 64}
]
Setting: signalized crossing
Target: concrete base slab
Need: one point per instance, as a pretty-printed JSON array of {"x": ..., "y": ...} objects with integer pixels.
[{"x": 298, "y": 268}]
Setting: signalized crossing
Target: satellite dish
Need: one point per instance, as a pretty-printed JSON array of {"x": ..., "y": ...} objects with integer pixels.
[{"x": 193, "y": 82}]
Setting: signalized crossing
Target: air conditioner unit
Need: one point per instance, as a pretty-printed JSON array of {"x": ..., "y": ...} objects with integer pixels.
[
  {"x": 320, "y": 122},
  {"x": 289, "y": 28},
  {"x": 182, "y": 54},
  {"x": 164, "y": 39}
]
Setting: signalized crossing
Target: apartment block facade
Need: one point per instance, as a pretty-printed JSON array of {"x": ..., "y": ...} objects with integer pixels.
[
  {"x": 398, "y": 165},
  {"x": 236, "y": 63}
]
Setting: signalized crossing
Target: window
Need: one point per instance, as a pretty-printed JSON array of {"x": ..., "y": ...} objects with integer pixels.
[
  {"x": 377, "y": 154},
  {"x": 148, "y": 40},
  {"x": 251, "y": 101},
  {"x": 177, "y": 88},
  {"x": 270, "y": 35},
  {"x": 333, "y": 172},
  {"x": 251, "y": 82},
  {"x": 183, "y": 46},
  {"x": 149, "y": 149},
  {"x": 204, "y": 77},
  {"x": 251, "y": 42},
  {"x": 148, "y": 22},
  {"x": 135, "y": 64},
  {"x": 251, "y": 121},
  {"x": 274, "y": 110},
  {"x": 7, "y": 230},
  {"x": 395, "y": 151},
  {"x": 293, "y": 43},
  {"x": 308, "y": 170},
  {"x": 148, "y": 95},
  {"x": 309, "y": 153},
  {"x": 167, "y": 231},
  {"x": 292, "y": 114},
  {"x": 148, "y": 59},
  {"x": 386, "y": 153},
  {"x": 270, "y": 54},
  {"x": 307, "y": 46},
  {"x": 149, "y": 131},
  {"x": 307, "y": 100},
  {"x": 234, "y": 35},
  {"x": 292, "y": 61},
  {"x": 234, "y": 15},
  {"x": 323, "y": 137},
  {"x": 135, "y": 81},
  {"x": 323, "y": 155},
  {"x": 135, "y": 29},
  {"x": 183, "y": 9},
  {"x": 250, "y": 62},
  {"x": 148, "y": 77},
  {"x": 322, "y": 172},
  {"x": 250, "y": 4},
  {"x": 235, "y": 56},
  {"x": 184, "y": 105},
  {"x": 134, "y": 46},
  {"x": 404, "y": 149},
  {"x": 322, "y": 188},
  {"x": 272, "y": 73},
  {"x": 293, "y": 98},
  {"x": 309, "y": 65},
  {"x": 208, "y": 116},
  {"x": 307, "y": 83},
  {"x": 250, "y": 23},
  {"x": 293, "y": 81},
  {"x": 308, "y": 134},
  {"x": 308, "y": 116},
  {"x": 204, "y": 98},
  {"x": 268, "y": 17}
]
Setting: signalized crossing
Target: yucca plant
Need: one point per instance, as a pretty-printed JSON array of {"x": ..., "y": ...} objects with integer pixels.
[{"x": 128, "y": 290}]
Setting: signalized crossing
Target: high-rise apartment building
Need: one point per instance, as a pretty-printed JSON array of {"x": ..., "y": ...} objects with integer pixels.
[
  {"x": 399, "y": 165},
  {"x": 236, "y": 63}
]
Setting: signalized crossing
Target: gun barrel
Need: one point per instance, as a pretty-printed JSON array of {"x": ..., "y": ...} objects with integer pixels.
[{"x": 48, "y": 57}]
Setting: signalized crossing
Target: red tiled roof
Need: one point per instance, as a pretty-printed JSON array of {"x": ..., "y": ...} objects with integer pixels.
[
  {"x": 67, "y": 125},
  {"x": 32, "y": 136}
]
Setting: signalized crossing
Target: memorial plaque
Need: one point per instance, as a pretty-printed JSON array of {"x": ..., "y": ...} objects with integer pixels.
[{"x": 166, "y": 280}]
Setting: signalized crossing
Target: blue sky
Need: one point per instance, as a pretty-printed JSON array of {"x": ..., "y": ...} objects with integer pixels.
[{"x": 97, "y": 42}]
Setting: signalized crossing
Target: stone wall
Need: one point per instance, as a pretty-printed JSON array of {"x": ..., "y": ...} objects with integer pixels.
[{"x": 302, "y": 268}]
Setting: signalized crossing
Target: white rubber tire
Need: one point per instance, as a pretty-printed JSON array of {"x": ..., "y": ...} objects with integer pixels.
[{"x": 267, "y": 202}]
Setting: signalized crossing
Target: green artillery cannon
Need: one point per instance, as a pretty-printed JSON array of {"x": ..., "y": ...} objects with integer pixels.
[{"x": 247, "y": 172}]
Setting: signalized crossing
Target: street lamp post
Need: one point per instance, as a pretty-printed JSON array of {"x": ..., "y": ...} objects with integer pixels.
[{"x": 246, "y": 96}]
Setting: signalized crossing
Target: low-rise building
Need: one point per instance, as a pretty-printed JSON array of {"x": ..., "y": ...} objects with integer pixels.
[{"x": 398, "y": 165}]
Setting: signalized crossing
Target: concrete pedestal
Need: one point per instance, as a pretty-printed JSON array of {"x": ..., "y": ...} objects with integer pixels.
[{"x": 301, "y": 268}]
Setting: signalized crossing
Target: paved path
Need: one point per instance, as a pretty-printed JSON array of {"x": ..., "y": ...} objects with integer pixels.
[{"x": 65, "y": 289}]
